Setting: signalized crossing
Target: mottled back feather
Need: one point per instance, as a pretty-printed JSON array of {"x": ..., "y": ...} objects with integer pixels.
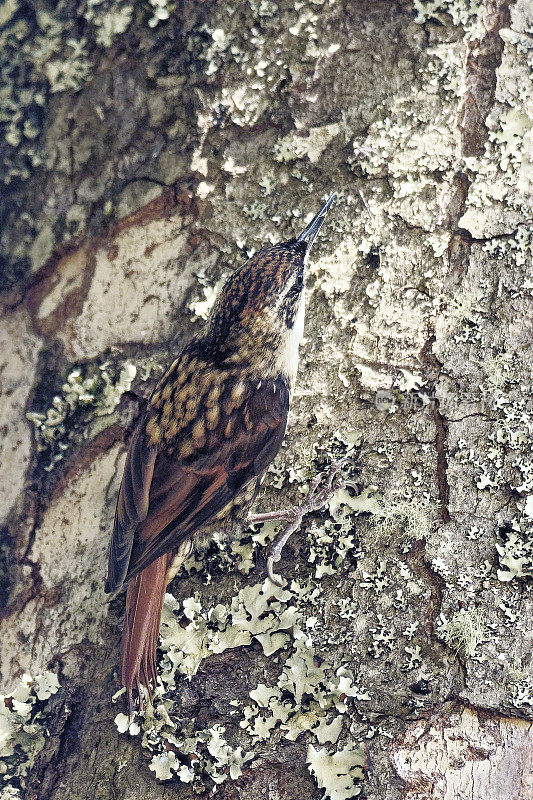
[{"x": 225, "y": 433}]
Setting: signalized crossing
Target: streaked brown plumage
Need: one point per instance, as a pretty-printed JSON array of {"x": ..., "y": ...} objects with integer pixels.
[{"x": 213, "y": 425}]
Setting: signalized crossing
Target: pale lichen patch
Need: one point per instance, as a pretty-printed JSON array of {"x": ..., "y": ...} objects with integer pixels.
[
  {"x": 463, "y": 632},
  {"x": 23, "y": 720},
  {"x": 319, "y": 692},
  {"x": 337, "y": 773},
  {"x": 312, "y": 145},
  {"x": 85, "y": 403}
]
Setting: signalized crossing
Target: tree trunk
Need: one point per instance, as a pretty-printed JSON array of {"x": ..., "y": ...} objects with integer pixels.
[{"x": 149, "y": 149}]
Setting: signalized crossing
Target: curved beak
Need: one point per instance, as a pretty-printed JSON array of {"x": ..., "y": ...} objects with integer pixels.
[{"x": 310, "y": 232}]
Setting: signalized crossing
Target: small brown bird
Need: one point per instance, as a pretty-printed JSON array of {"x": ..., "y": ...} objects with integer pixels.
[{"x": 212, "y": 426}]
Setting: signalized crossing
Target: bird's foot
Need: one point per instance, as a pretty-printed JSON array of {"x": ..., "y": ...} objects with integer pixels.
[{"x": 321, "y": 489}]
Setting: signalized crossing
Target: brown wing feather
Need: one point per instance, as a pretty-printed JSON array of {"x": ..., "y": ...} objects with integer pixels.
[
  {"x": 132, "y": 507},
  {"x": 182, "y": 494},
  {"x": 206, "y": 484}
]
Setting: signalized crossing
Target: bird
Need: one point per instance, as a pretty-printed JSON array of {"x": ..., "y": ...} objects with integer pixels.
[{"x": 200, "y": 448}]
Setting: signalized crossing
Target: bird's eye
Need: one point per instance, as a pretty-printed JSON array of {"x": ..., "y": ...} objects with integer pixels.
[{"x": 296, "y": 287}]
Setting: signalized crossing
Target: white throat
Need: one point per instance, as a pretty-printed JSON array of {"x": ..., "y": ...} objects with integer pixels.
[{"x": 287, "y": 359}]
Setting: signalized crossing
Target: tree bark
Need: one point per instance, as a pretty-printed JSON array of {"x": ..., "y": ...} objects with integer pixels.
[{"x": 148, "y": 151}]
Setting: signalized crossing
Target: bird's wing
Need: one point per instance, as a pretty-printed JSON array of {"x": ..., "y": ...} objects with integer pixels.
[
  {"x": 132, "y": 507},
  {"x": 167, "y": 495}
]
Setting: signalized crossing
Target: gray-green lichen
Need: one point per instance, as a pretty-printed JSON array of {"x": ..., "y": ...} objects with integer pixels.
[
  {"x": 464, "y": 631},
  {"x": 311, "y": 695},
  {"x": 160, "y": 10},
  {"x": 464, "y": 13},
  {"x": 23, "y": 718},
  {"x": 42, "y": 53},
  {"x": 86, "y": 401}
]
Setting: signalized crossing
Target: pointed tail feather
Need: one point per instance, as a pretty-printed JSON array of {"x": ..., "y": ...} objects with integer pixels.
[{"x": 144, "y": 604}]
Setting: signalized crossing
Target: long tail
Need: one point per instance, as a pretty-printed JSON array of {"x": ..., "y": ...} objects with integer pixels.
[{"x": 144, "y": 604}]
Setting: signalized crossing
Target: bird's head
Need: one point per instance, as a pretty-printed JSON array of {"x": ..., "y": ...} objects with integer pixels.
[{"x": 264, "y": 299}]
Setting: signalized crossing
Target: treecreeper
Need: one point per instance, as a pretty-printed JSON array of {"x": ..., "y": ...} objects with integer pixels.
[{"x": 200, "y": 449}]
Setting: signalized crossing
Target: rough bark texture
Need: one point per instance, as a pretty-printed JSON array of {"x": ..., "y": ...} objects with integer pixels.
[{"x": 145, "y": 158}]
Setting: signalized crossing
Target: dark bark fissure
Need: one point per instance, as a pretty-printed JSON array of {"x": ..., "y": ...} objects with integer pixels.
[
  {"x": 441, "y": 428},
  {"x": 433, "y": 369},
  {"x": 484, "y": 58}
]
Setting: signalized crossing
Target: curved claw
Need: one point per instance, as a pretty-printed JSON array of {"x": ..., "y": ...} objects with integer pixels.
[
  {"x": 275, "y": 579},
  {"x": 278, "y": 545}
]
